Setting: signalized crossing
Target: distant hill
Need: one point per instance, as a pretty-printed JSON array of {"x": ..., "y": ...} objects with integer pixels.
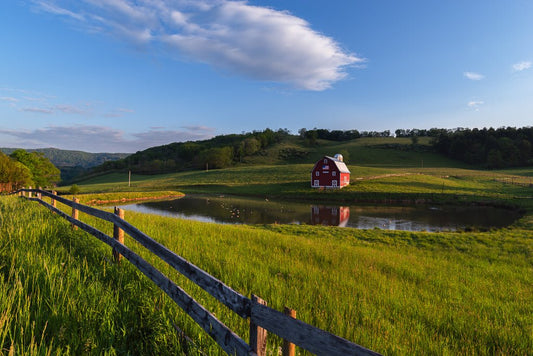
[
  {"x": 270, "y": 147},
  {"x": 73, "y": 163},
  {"x": 68, "y": 158},
  {"x": 482, "y": 148}
]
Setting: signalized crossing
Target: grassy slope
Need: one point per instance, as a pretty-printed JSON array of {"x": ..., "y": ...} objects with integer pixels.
[{"x": 62, "y": 295}]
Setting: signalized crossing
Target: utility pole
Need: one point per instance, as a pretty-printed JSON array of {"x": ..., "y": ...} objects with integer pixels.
[{"x": 129, "y": 178}]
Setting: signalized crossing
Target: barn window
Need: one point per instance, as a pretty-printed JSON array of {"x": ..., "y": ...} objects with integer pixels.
[
  {"x": 325, "y": 161},
  {"x": 334, "y": 183},
  {"x": 316, "y": 184},
  {"x": 317, "y": 173},
  {"x": 334, "y": 173}
]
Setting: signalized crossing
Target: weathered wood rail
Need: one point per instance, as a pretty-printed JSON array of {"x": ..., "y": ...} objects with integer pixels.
[{"x": 262, "y": 318}]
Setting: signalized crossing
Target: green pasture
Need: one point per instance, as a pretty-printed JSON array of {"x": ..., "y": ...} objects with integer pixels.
[
  {"x": 394, "y": 292},
  {"x": 375, "y": 184}
]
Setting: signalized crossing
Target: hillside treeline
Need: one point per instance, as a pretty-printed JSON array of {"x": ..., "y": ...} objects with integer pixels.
[
  {"x": 492, "y": 148},
  {"x": 218, "y": 152},
  {"x": 23, "y": 168},
  {"x": 338, "y": 135}
]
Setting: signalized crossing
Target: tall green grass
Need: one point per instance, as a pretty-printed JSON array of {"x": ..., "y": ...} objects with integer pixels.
[
  {"x": 62, "y": 295},
  {"x": 393, "y": 292}
]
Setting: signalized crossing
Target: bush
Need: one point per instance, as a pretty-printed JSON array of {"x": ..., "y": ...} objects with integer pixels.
[{"x": 74, "y": 189}]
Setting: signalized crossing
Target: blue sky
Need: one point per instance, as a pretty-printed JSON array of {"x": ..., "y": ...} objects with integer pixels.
[{"x": 124, "y": 75}]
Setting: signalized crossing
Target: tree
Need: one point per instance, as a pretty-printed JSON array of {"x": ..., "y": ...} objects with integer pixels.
[
  {"x": 216, "y": 157},
  {"x": 13, "y": 174},
  {"x": 74, "y": 189},
  {"x": 251, "y": 146},
  {"x": 43, "y": 172}
]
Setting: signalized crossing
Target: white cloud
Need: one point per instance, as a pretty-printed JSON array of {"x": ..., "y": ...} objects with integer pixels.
[
  {"x": 252, "y": 41},
  {"x": 475, "y": 104},
  {"x": 102, "y": 139},
  {"x": 473, "y": 76},
  {"x": 518, "y": 67},
  {"x": 52, "y": 8}
]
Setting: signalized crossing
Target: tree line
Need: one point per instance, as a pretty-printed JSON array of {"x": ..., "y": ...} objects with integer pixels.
[
  {"x": 22, "y": 168},
  {"x": 488, "y": 147},
  {"x": 491, "y": 148},
  {"x": 311, "y": 136}
]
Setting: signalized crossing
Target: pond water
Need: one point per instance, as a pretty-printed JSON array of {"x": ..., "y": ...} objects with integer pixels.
[{"x": 231, "y": 210}]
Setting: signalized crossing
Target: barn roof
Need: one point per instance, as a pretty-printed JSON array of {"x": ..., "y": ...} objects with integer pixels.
[{"x": 341, "y": 166}]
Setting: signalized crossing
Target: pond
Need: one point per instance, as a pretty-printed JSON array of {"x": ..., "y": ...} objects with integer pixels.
[{"x": 231, "y": 210}]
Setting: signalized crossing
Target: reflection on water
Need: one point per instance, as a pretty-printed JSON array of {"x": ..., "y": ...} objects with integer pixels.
[
  {"x": 330, "y": 215},
  {"x": 228, "y": 210}
]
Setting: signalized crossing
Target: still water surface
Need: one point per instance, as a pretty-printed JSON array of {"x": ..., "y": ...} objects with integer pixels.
[{"x": 230, "y": 210}]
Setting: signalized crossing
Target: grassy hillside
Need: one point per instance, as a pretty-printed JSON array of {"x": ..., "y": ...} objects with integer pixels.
[{"x": 394, "y": 292}]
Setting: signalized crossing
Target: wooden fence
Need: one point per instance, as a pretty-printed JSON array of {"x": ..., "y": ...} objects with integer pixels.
[{"x": 262, "y": 318}]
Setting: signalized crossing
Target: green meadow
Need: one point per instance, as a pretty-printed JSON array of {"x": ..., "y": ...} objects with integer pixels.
[{"x": 394, "y": 292}]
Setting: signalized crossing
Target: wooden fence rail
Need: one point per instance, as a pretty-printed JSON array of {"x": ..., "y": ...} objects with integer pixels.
[{"x": 261, "y": 317}]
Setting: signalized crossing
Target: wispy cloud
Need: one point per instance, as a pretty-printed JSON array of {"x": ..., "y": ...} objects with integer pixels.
[
  {"x": 38, "y": 110},
  {"x": 101, "y": 138},
  {"x": 473, "y": 76},
  {"x": 475, "y": 104},
  {"x": 39, "y": 103},
  {"x": 52, "y": 8},
  {"x": 119, "y": 112},
  {"x": 9, "y": 99},
  {"x": 518, "y": 67},
  {"x": 65, "y": 109},
  {"x": 252, "y": 41}
]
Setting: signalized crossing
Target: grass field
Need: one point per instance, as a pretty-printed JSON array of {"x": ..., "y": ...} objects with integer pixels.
[{"x": 392, "y": 291}]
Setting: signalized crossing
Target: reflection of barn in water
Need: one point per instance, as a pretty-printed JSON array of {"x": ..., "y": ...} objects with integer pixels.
[{"x": 330, "y": 215}]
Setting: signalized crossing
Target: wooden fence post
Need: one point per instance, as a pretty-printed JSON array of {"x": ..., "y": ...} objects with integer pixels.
[
  {"x": 118, "y": 234},
  {"x": 288, "y": 348},
  {"x": 29, "y": 193},
  {"x": 53, "y": 201},
  {"x": 75, "y": 212},
  {"x": 39, "y": 193},
  {"x": 258, "y": 335}
]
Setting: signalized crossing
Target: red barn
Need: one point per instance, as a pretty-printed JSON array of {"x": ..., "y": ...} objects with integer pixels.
[{"x": 330, "y": 172}]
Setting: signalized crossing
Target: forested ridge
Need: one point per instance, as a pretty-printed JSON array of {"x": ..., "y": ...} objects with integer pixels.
[{"x": 485, "y": 148}]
